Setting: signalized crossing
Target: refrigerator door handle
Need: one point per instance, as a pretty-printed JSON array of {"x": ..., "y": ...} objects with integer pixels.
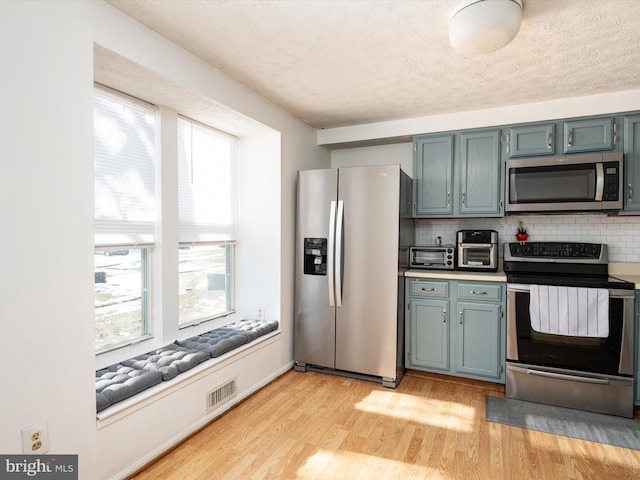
[
  {"x": 338, "y": 254},
  {"x": 331, "y": 252}
]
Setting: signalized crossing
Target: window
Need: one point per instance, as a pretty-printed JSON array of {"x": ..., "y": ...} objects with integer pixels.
[
  {"x": 207, "y": 222},
  {"x": 124, "y": 212}
]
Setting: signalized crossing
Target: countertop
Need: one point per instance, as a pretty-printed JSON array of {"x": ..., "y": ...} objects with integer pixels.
[
  {"x": 498, "y": 276},
  {"x": 625, "y": 271}
]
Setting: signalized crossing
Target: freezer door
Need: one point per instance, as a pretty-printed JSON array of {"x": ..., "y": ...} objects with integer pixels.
[
  {"x": 314, "y": 342},
  {"x": 367, "y": 320}
]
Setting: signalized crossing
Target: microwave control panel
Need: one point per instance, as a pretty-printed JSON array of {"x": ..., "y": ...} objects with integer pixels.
[{"x": 611, "y": 181}]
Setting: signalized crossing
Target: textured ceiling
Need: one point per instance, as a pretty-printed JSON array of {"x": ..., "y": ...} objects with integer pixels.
[{"x": 333, "y": 63}]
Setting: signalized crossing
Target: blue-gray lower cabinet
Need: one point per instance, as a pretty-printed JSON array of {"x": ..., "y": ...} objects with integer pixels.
[
  {"x": 478, "y": 339},
  {"x": 456, "y": 328},
  {"x": 430, "y": 333}
]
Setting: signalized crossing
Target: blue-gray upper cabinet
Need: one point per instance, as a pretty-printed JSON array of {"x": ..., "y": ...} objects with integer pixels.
[
  {"x": 632, "y": 163},
  {"x": 479, "y": 174},
  {"x": 590, "y": 135},
  {"x": 433, "y": 175},
  {"x": 531, "y": 140}
]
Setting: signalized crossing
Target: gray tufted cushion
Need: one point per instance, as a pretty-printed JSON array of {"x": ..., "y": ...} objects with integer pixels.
[
  {"x": 216, "y": 342},
  {"x": 117, "y": 382},
  {"x": 170, "y": 361},
  {"x": 134, "y": 375},
  {"x": 251, "y": 328}
]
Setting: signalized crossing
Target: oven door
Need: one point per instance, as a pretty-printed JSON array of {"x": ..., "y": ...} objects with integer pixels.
[
  {"x": 612, "y": 355},
  {"x": 590, "y": 374}
]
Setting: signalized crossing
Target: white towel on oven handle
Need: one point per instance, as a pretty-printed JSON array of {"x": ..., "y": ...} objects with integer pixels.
[{"x": 570, "y": 311}]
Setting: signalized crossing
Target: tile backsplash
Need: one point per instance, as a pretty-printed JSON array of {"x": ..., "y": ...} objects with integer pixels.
[{"x": 620, "y": 233}]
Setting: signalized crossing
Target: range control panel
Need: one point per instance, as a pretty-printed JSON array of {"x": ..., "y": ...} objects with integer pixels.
[{"x": 552, "y": 250}]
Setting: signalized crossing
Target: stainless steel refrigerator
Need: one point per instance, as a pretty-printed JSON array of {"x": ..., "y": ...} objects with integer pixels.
[{"x": 353, "y": 233}]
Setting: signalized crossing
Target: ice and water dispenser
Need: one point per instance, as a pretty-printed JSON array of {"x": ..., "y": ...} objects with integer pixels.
[{"x": 315, "y": 256}]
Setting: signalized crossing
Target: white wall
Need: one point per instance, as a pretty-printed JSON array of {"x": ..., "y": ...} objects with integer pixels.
[
  {"x": 258, "y": 250},
  {"x": 46, "y": 210},
  {"x": 401, "y": 153},
  {"x": 625, "y": 101},
  {"x": 46, "y": 187}
]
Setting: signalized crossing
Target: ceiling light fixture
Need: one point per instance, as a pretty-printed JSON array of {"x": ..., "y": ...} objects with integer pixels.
[{"x": 483, "y": 26}]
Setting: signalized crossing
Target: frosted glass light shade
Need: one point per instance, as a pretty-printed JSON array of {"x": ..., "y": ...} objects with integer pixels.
[{"x": 482, "y": 26}]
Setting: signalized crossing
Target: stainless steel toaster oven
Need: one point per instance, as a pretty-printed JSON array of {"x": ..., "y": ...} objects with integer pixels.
[{"x": 436, "y": 257}]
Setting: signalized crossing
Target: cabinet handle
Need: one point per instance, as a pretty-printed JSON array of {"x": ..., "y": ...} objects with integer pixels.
[
  {"x": 444, "y": 316},
  {"x": 615, "y": 133},
  {"x": 570, "y": 138},
  {"x": 508, "y": 142},
  {"x": 550, "y": 140},
  {"x": 630, "y": 193},
  {"x": 474, "y": 292},
  {"x": 464, "y": 194},
  {"x": 448, "y": 199},
  {"x": 428, "y": 289},
  {"x": 460, "y": 318}
]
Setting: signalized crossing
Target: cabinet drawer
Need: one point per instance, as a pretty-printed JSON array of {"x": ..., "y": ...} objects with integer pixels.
[
  {"x": 480, "y": 291},
  {"x": 429, "y": 288}
]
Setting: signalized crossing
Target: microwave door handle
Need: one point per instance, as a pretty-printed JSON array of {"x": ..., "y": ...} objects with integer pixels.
[{"x": 599, "y": 182}]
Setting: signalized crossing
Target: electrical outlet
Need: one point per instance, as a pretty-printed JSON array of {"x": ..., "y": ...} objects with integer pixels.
[
  {"x": 35, "y": 438},
  {"x": 260, "y": 312}
]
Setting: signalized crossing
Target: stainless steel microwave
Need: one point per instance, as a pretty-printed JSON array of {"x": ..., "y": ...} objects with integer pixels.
[{"x": 574, "y": 183}]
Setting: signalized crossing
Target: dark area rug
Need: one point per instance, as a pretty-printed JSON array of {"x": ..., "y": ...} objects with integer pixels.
[{"x": 594, "y": 427}]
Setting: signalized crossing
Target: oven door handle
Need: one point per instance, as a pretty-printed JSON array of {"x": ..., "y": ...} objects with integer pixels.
[{"x": 564, "y": 376}]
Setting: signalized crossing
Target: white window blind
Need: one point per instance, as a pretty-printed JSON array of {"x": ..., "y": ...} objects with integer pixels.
[
  {"x": 124, "y": 170},
  {"x": 207, "y": 184}
]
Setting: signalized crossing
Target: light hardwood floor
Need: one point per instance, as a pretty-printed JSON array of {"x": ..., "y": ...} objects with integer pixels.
[{"x": 317, "y": 426}]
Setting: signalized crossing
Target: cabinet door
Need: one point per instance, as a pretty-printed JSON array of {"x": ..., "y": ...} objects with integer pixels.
[
  {"x": 632, "y": 163},
  {"x": 589, "y": 135},
  {"x": 433, "y": 175},
  {"x": 532, "y": 140},
  {"x": 429, "y": 334},
  {"x": 480, "y": 193},
  {"x": 477, "y": 339}
]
